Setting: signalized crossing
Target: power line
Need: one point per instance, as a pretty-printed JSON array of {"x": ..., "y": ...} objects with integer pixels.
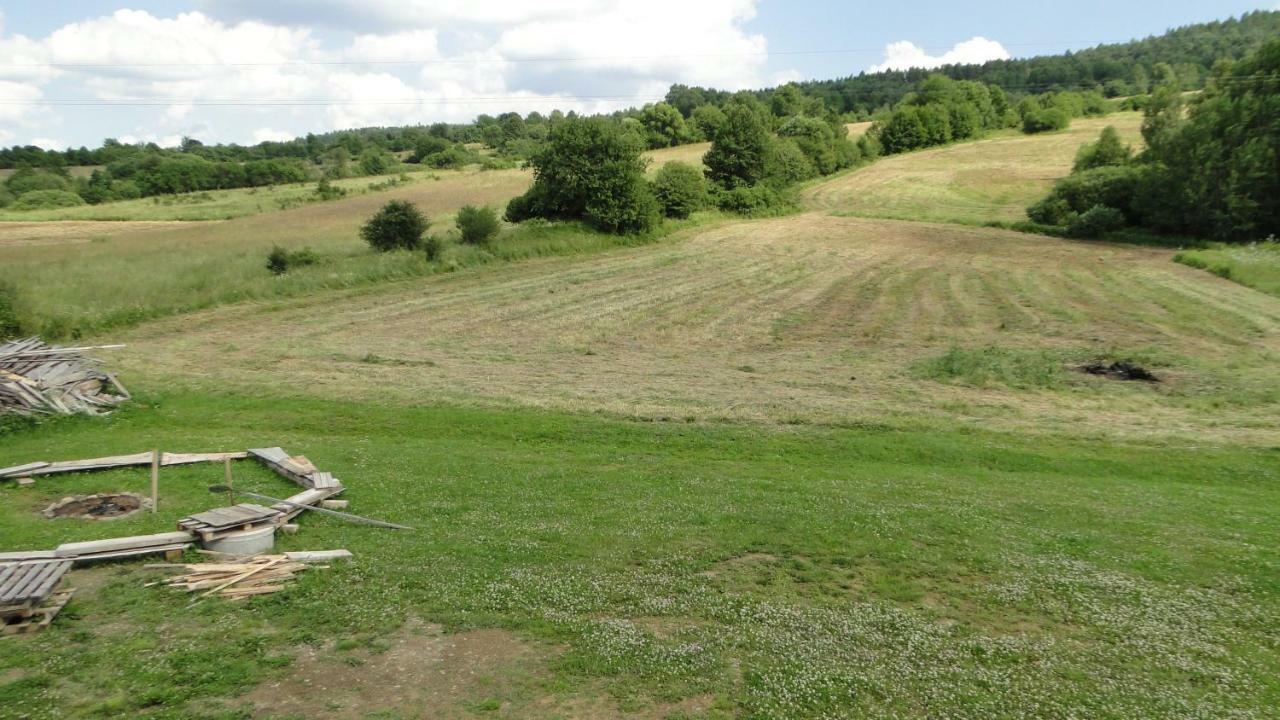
[
  {"x": 478, "y": 99},
  {"x": 515, "y": 60}
]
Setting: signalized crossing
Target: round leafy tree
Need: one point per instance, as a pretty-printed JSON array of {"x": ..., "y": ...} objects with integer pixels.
[{"x": 398, "y": 225}]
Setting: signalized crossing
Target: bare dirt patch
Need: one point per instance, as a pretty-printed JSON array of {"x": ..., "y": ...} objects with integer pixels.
[{"x": 424, "y": 672}]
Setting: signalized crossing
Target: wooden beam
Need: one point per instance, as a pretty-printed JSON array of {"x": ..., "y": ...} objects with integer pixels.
[{"x": 155, "y": 481}]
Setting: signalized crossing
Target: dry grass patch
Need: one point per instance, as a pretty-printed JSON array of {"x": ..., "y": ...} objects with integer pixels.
[
  {"x": 75, "y": 232},
  {"x": 808, "y": 319},
  {"x": 973, "y": 182},
  {"x": 691, "y": 154}
]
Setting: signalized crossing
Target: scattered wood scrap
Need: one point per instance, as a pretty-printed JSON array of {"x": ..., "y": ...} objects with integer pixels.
[
  {"x": 235, "y": 579},
  {"x": 37, "y": 379},
  {"x": 29, "y": 598}
]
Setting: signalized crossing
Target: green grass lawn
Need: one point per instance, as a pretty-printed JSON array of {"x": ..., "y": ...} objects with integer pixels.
[
  {"x": 1256, "y": 265},
  {"x": 761, "y": 573}
]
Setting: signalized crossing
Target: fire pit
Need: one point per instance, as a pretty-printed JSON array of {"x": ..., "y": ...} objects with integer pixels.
[{"x": 105, "y": 506}]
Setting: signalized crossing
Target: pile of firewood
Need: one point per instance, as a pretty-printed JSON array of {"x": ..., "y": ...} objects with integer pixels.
[
  {"x": 235, "y": 579},
  {"x": 38, "y": 378}
]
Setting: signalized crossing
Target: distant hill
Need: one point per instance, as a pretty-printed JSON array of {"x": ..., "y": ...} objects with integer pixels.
[{"x": 1122, "y": 69}]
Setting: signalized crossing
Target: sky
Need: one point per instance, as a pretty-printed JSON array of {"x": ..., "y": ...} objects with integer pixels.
[{"x": 74, "y": 73}]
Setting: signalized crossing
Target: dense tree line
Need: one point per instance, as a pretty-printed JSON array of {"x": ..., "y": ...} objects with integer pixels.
[
  {"x": 1211, "y": 170},
  {"x": 1185, "y": 54}
]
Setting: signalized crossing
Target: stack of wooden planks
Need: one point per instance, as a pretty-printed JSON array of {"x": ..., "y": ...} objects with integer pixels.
[
  {"x": 29, "y": 598},
  {"x": 219, "y": 522},
  {"x": 317, "y": 485},
  {"x": 235, "y": 579},
  {"x": 36, "y": 378}
]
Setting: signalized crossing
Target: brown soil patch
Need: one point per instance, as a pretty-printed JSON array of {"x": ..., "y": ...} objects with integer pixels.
[{"x": 424, "y": 673}]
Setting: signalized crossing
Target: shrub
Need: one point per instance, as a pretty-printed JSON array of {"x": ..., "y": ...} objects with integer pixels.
[
  {"x": 398, "y": 225},
  {"x": 451, "y": 157},
  {"x": 755, "y": 201},
  {"x": 6, "y": 197},
  {"x": 375, "y": 161},
  {"x": 1051, "y": 210},
  {"x": 1038, "y": 121},
  {"x": 786, "y": 164},
  {"x": 904, "y": 131},
  {"x": 432, "y": 245},
  {"x": 427, "y": 147},
  {"x": 27, "y": 180},
  {"x": 1095, "y": 222},
  {"x": 478, "y": 225},
  {"x": 1108, "y": 150},
  {"x": 1111, "y": 186},
  {"x": 326, "y": 190},
  {"x": 46, "y": 199},
  {"x": 628, "y": 207},
  {"x": 680, "y": 189},
  {"x": 280, "y": 261}
]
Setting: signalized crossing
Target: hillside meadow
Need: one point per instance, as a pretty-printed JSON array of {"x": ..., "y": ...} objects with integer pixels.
[
  {"x": 988, "y": 180},
  {"x": 822, "y": 465}
]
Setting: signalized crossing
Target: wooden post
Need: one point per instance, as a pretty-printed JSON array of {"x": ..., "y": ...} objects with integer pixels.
[
  {"x": 231, "y": 493},
  {"x": 155, "y": 481}
]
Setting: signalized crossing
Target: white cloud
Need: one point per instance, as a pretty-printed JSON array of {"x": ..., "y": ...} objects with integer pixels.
[
  {"x": 177, "y": 113},
  {"x": 904, "y": 55},
  {"x": 49, "y": 143},
  {"x": 385, "y": 15},
  {"x": 255, "y": 67},
  {"x": 269, "y": 135}
]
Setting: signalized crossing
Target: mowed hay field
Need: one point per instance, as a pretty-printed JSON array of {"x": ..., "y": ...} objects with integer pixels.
[
  {"x": 808, "y": 319},
  {"x": 121, "y": 277},
  {"x": 991, "y": 180}
]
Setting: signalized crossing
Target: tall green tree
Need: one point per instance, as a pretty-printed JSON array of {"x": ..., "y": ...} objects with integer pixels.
[
  {"x": 740, "y": 148},
  {"x": 589, "y": 169}
]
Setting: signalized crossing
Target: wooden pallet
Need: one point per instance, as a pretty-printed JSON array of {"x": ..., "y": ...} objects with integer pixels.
[
  {"x": 215, "y": 523},
  {"x": 40, "y": 617},
  {"x": 25, "y": 584}
]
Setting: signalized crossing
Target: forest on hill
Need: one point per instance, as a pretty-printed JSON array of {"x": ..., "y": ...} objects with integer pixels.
[{"x": 1186, "y": 55}]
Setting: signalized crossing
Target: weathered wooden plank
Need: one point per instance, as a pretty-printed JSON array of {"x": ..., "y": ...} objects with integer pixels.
[
  {"x": 314, "y": 556},
  {"x": 189, "y": 458},
  {"x": 125, "y": 543},
  {"x": 306, "y": 497},
  {"x": 131, "y": 552},
  {"x": 279, "y": 461},
  {"x": 241, "y": 514},
  {"x": 21, "y": 470},
  {"x": 27, "y": 555},
  {"x": 324, "y": 480},
  {"x": 94, "y": 464}
]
